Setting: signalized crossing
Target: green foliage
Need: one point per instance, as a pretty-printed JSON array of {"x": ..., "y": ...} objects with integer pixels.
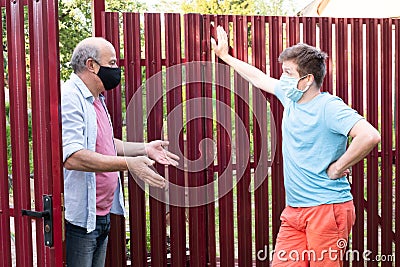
[
  {"x": 235, "y": 7},
  {"x": 240, "y": 7},
  {"x": 276, "y": 7},
  {"x": 167, "y": 6},
  {"x": 75, "y": 24},
  {"x": 126, "y": 6},
  {"x": 8, "y": 135}
]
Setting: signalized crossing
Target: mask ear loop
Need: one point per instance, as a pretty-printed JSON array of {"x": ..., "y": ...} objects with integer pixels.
[
  {"x": 308, "y": 86},
  {"x": 95, "y": 61}
]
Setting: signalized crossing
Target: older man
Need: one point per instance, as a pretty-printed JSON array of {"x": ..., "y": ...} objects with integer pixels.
[{"x": 93, "y": 157}]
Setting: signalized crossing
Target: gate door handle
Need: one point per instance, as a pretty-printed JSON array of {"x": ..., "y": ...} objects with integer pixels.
[{"x": 47, "y": 215}]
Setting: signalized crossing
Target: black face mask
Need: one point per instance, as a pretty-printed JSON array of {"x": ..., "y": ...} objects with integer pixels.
[{"x": 110, "y": 77}]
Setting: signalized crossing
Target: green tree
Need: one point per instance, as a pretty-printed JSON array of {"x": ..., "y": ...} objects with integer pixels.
[
  {"x": 75, "y": 24},
  {"x": 235, "y": 7},
  {"x": 168, "y": 6},
  {"x": 276, "y": 7}
]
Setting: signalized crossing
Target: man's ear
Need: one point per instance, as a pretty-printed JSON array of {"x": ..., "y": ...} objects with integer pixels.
[
  {"x": 310, "y": 79},
  {"x": 90, "y": 65}
]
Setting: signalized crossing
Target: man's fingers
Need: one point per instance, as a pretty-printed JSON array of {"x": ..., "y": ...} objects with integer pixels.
[
  {"x": 172, "y": 162},
  {"x": 222, "y": 36},
  {"x": 154, "y": 179},
  {"x": 172, "y": 156},
  {"x": 149, "y": 162},
  {"x": 213, "y": 43}
]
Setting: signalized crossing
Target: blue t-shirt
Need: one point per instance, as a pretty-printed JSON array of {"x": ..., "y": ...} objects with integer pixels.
[{"x": 314, "y": 135}]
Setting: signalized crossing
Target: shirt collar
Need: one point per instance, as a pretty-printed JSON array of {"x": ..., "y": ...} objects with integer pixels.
[{"x": 82, "y": 87}]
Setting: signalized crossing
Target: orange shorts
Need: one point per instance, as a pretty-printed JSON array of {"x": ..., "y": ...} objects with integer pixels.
[{"x": 314, "y": 236}]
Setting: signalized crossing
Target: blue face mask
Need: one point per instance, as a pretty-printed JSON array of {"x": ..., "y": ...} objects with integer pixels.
[{"x": 289, "y": 86}]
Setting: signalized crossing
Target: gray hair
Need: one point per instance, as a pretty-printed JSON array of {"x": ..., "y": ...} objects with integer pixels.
[{"x": 82, "y": 52}]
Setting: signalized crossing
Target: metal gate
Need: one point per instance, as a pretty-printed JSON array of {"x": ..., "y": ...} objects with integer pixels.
[
  {"x": 238, "y": 225},
  {"x": 31, "y": 188}
]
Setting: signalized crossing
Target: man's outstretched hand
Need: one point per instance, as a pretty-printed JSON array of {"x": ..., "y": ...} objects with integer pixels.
[
  {"x": 141, "y": 167},
  {"x": 156, "y": 151}
]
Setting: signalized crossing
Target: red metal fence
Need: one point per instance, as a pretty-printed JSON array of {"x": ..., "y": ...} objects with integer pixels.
[
  {"x": 236, "y": 227},
  {"x": 33, "y": 52},
  {"x": 191, "y": 99}
]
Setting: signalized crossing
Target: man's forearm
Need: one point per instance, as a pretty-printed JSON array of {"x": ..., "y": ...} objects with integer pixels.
[
  {"x": 357, "y": 150},
  {"x": 90, "y": 161},
  {"x": 252, "y": 74},
  {"x": 131, "y": 149}
]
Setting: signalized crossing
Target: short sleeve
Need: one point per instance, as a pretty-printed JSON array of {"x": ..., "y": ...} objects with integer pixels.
[
  {"x": 339, "y": 117},
  {"x": 280, "y": 94}
]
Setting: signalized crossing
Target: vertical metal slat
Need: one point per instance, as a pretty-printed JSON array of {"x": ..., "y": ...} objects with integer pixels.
[
  {"x": 194, "y": 129},
  {"x": 5, "y": 240},
  {"x": 260, "y": 143},
  {"x": 241, "y": 88},
  {"x": 19, "y": 131},
  {"x": 387, "y": 133},
  {"x": 224, "y": 147},
  {"x": 341, "y": 34},
  {"x": 278, "y": 192},
  {"x": 326, "y": 46},
  {"x": 357, "y": 104},
  {"x": 175, "y": 136},
  {"x": 134, "y": 131},
  {"x": 154, "y": 104},
  {"x": 207, "y": 72},
  {"x": 372, "y": 117}
]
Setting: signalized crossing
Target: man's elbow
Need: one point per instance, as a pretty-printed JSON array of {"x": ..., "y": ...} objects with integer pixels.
[
  {"x": 68, "y": 164},
  {"x": 374, "y": 138}
]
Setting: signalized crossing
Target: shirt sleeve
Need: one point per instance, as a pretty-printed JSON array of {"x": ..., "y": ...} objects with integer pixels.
[
  {"x": 73, "y": 126},
  {"x": 339, "y": 117},
  {"x": 280, "y": 94}
]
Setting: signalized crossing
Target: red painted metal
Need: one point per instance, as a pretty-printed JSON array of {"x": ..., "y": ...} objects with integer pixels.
[
  {"x": 309, "y": 30},
  {"x": 5, "y": 241},
  {"x": 207, "y": 71},
  {"x": 242, "y": 101},
  {"x": 293, "y": 31},
  {"x": 325, "y": 40},
  {"x": 341, "y": 37},
  {"x": 387, "y": 138},
  {"x": 194, "y": 130},
  {"x": 224, "y": 148},
  {"x": 57, "y": 251},
  {"x": 357, "y": 89},
  {"x": 98, "y": 7},
  {"x": 259, "y": 137},
  {"x": 134, "y": 131},
  {"x": 397, "y": 117},
  {"x": 278, "y": 194},
  {"x": 40, "y": 117},
  {"x": 372, "y": 117},
  {"x": 19, "y": 131},
  {"x": 175, "y": 136},
  {"x": 197, "y": 29},
  {"x": 113, "y": 97},
  {"x": 116, "y": 251},
  {"x": 154, "y": 102}
]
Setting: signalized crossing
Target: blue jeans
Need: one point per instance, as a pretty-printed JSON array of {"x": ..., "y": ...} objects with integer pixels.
[{"x": 87, "y": 249}]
